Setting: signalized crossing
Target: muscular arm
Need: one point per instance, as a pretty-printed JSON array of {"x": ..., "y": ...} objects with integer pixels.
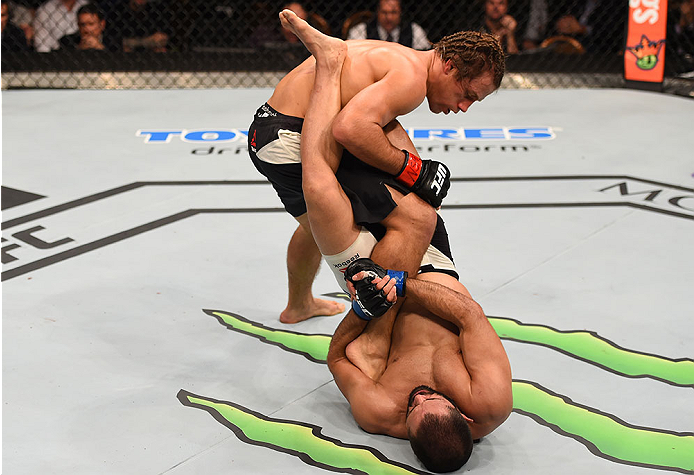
[
  {"x": 483, "y": 354},
  {"x": 359, "y": 125},
  {"x": 364, "y": 395},
  {"x": 347, "y": 331}
]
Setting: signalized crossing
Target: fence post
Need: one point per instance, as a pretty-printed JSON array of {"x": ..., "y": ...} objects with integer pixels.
[{"x": 644, "y": 54}]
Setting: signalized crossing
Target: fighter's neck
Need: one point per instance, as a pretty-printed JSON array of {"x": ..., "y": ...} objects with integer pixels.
[{"x": 434, "y": 65}]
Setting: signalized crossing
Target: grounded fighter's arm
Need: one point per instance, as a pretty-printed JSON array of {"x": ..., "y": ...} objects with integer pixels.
[
  {"x": 483, "y": 354},
  {"x": 347, "y": 331},
  {"x": 359, "y": 125},
  {"x": 360, "y": 390}
]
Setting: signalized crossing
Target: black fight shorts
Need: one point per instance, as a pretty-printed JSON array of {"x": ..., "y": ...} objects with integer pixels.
[
  {"x": 274, "y": 146},
  {"x": 365, "y": 186}
]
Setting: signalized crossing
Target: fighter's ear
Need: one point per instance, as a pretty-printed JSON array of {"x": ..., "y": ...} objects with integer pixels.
[
  {"x": 467, "y": 418},
  {"x": 448, "y": 67}
]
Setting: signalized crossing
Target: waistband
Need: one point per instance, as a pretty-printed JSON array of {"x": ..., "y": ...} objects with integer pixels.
[{"x": 267, "y": 113}]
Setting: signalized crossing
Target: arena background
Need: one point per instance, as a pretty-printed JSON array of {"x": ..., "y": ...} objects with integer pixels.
[
  {"x": 215, "y": 44},
  {"x": 144, "y": 260}
]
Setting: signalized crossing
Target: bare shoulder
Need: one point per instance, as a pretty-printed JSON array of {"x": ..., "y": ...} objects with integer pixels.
[
  {"x": 390, "y": 58},
  {"x": 377, "y": 413}
]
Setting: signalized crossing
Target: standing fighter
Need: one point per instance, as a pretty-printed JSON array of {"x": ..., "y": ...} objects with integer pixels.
[
  {"x": 432, "y": 370},
  {"x": 379, "y": 82}
]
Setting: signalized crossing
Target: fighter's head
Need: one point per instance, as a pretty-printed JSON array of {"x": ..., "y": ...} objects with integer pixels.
[
  {"x": 439, "y": 433},
  {"x": 473, "y": 53},
  {"x": 470, "y": 67}
]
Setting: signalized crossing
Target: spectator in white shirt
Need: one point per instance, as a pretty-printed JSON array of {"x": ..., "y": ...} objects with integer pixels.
[
  {"x": 388, "y": 26},
  {"x": 55, "y": 19}
]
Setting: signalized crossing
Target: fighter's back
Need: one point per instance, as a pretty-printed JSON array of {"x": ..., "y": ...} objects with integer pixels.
[{"x": 367, "y": 62}]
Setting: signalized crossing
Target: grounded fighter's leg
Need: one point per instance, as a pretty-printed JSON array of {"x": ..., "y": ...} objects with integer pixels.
[
  {"x": 329, "y": 210},
  {"x": 303, "y": 262}
]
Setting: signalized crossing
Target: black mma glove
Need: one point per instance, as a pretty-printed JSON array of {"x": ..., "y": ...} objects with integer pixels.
[
  {"x": 369, "y": 301},
  {"x": 427, "y": 178}
]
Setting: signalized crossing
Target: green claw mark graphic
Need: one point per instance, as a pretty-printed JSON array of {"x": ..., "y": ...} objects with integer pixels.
[
  {"x": 593, "y": 349},
  {"x": 300, "y": 439},
  {"x": 315, "y": 348},
  {"x": 586, "y": 346},
  {"x": 603, "y": 434}
]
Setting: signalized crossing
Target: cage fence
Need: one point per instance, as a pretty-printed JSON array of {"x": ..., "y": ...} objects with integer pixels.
[{"x": 123, "y": 44}]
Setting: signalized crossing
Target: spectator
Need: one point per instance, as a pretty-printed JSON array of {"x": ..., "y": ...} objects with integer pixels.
[
  {"x": 13, "y": 38},
  {"x": 215, "y": 23},
  {"x": 270, "y": 34},
  {"x": 138, "y": 25},
  {"x": 23, "y": 17},
  {"x": 389, "y": 26},
  {"x": 536, "y": 30},
  {"x": 499, "y": 23},
  {"x": 90, "y": 36},
  {"x": 597, "y": 24},
  {"x": 55, "y": 19},
  {"x": 681, "y": 34}
]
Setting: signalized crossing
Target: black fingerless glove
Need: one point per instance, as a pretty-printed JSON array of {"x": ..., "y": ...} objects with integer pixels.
[
  {"x": 429, "y": 179},
  {"x": 369, "y": 301}
]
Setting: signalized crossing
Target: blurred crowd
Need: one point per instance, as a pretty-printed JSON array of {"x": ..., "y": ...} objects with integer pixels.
[{"x": 522, "y": 26}]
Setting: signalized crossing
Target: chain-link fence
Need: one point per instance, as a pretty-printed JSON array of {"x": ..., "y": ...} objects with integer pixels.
[{"x": 228, "y": 43}]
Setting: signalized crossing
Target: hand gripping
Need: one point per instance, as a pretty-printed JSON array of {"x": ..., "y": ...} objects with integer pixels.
[{"x": 369, "y": 301}]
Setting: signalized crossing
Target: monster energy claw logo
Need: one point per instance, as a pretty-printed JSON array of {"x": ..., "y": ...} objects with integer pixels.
[{"x": 603, "y": 434}]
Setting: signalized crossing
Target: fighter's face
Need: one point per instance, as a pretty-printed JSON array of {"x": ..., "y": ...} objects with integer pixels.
[
  {"x": 452, "y": 95},
  {"x": 424, "y": 400}
]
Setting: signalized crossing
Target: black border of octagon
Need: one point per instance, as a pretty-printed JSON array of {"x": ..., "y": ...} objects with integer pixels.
[{"x": 120, "y": 236}]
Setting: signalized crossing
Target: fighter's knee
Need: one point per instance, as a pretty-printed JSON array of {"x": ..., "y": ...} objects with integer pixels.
[
  {"x": 313, "y": 189},
  {"x": 321, "y": 190},
  {"x": 416, "y": 216},
  {"x": 422, "y": 212}
]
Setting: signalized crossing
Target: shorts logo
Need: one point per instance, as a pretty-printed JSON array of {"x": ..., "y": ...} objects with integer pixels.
[
  {"x": 266, "y": 112},
  {"x": 253, "y": 141}
]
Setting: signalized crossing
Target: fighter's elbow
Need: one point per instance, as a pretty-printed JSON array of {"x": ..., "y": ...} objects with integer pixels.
[
  {"x": 333, "y": 359},
  {"x": 471, "y": 314},
  {"x": 337, "y": 362}
]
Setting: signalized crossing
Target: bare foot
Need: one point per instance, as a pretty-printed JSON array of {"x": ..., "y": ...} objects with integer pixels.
[
  {"x": 368, "y": 356},
  {"x": 326, "y": 49},
  {"x": 316, "y": 308}
]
